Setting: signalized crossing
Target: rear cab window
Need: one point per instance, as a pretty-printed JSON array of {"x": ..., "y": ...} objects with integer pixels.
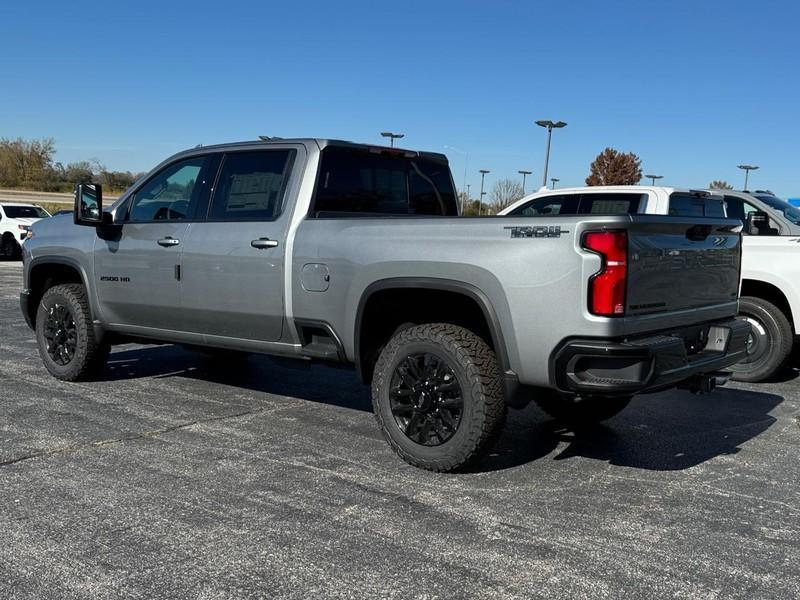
[
  {"x": 686, "y": 204},
  {"x": 362, "y": 182},
  {"x": 601, "y": 203}
]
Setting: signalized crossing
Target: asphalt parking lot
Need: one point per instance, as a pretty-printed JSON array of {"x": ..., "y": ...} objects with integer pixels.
[{"x": 176, "y": 478}]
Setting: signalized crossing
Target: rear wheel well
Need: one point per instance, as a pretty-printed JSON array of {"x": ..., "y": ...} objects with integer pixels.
[
  {"x": 770, "y": 293},
  {"x": 43, "y": 277},
  {"x": 387, "y": 311}
]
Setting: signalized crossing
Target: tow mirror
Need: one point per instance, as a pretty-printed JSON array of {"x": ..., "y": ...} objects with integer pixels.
[
  {"x": 757, "y": 223},
  {"x": 88, "y": 204}
]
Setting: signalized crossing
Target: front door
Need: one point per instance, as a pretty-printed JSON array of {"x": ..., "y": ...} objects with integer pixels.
[
  {"x": 138, "y": 272},
  {"x": 233, "y": 263}
]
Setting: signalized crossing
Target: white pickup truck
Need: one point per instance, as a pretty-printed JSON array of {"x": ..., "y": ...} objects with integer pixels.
[{"x": 770, "y": 294}]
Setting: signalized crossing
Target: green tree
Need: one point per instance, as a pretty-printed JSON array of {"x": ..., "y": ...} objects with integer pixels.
[
  {"x": 718, "y": 184},
  {"x": 27, "y": 163},
  {"x": 612, "y": 167}
]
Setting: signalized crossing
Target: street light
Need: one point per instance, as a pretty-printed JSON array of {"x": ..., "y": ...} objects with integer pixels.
[
  {"x": 747, "y": 169},
  {"x": 392, "y": 136},
  {"x": 483, "y": 173},
  {"x": 555, "y": 181},
  {"x": 653, "y": 178},
  {"x": 550, "y": 126},
  {"x": 524, "y": 175}
]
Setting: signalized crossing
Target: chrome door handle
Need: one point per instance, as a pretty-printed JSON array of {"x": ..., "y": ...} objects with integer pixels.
[
  {"x": 168, "y": 241},
  {"x": 262, "y": 243}
]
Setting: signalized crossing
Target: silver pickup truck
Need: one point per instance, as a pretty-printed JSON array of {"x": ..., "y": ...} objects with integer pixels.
[{"x": 335, "y": 251}]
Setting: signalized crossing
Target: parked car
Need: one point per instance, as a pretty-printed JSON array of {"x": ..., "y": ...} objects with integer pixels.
[
  {"x": 327, "y": 250},
  {"x": 770, "y": 299},
  {"x": 15, "y": 220}
]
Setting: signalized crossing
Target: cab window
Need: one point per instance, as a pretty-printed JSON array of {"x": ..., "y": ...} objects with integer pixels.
[
  {"x": 582, "y": 204},
  {"x": 693, "y": 205},
  {"x": 171, "y": 194},
  {"x": 251, "y": 185}
]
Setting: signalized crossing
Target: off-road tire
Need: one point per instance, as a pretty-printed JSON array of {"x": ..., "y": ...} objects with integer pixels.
[
  {"x": 773, "y": 330},
  {"x": 476, "y": 371},
  {"x": 578, "y": 411},
  {"x": 10, "y": 248},
  {"x": 90, "y": 354}
]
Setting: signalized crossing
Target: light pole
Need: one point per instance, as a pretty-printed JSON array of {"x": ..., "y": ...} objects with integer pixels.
[
  {"x": 653, "y": 178},
  {"x": 524, "y": 175},
  {"x": 555, "y": 180},
  {"x": 480, "y": 201},
  {"x": 392, "y": 136},
  {"x": 550, "y": 126},
  {"x": 466, "y": 164},
  {"x": 747, "y": 169}
]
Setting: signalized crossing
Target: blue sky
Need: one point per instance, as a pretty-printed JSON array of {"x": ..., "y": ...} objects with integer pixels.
[{"x": 694, "y": 88}]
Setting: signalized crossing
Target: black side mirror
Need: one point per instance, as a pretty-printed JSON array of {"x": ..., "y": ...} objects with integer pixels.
[
  {"x": 88, "y": 204},
  {"x": 757, "y": 223}
]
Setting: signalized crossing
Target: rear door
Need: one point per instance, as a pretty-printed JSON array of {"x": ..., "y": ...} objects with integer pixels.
[
  {"x": 232, "y": 277},
  {"x": 137, "y": 273}
]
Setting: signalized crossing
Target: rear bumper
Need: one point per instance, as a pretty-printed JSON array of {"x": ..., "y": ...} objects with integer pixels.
[{"x": 646, "y": 364}]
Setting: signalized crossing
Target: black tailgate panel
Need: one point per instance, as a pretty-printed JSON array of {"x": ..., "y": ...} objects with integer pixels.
[{"x": 675, "y": 263}]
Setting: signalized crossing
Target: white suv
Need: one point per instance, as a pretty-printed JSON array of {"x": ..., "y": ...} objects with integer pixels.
[
  {"x": 15, "y": 220},
  {"x": 770, "y": 294}
]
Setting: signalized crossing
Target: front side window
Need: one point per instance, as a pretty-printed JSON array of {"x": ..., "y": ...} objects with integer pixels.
[
  {"x": 170, "y": 195},
  {"x": 360, "y": 183},
  {"x": 251, "y": 185},
  {"x": 792, "y": 213},
  {"x": 550, "y": 206}
]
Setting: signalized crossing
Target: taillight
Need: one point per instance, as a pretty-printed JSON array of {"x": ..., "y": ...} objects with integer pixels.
[{"x": 607, "y": 286}]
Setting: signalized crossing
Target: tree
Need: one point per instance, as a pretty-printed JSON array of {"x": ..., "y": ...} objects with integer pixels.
[
  {"x": 26, "y": 163},
  {"x": 612, "y": 167},
  {"x": 720, "y": 185},
  {"x": 504, "y": 193}
]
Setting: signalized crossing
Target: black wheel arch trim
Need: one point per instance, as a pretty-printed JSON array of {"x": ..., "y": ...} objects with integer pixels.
[
  {"x": 64, "y": 261},
  {"x": 445, "y": 285}
]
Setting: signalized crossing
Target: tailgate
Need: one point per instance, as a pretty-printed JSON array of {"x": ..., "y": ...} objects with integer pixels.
[{"x": 675, "y": 263}]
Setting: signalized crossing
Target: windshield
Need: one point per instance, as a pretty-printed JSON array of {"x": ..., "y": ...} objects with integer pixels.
[
  {"x": 25, "y": 212},
  {"x": 790, "y": 212}
]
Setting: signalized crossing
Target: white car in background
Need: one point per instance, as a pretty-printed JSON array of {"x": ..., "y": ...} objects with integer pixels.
[
  {"x": 15, "y": 220},
  {"x": 770, "y": 294}
]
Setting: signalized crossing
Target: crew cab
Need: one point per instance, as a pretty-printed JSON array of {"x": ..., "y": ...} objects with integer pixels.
[
  {"x": 770, "y": 291},
  {"x": 15, "y": 220},
  {"x": 334, "y": 251}
]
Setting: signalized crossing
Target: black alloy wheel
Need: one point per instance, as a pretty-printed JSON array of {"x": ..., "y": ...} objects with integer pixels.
[
  {"x": 61, "y": 334},
  {"x": 426, "y": 399}
]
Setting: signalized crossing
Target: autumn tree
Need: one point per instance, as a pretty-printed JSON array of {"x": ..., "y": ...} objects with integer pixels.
[
  {"x": 720, "y": 185},
  {"x": 504, "y": 193},
  {"x": 27, "y": 163},
  {"x": 612, "y": 167}
]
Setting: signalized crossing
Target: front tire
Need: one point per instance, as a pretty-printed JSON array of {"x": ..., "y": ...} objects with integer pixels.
[
  {"x": 437, "y": 396},
  {"x": 10, "y": 248},
  {"x": 580, "y": 411},
  {"x": 65, "y": 335},
  {"x": 769, "y": 344}
]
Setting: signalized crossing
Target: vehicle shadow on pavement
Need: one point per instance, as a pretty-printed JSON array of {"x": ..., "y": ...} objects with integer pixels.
[
  {"x": 668, "y": 431},
  {"x": 289, "y": 377}
]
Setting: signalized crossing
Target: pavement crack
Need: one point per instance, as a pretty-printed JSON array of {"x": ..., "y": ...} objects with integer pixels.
[{"x": 126, "y": 438}]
